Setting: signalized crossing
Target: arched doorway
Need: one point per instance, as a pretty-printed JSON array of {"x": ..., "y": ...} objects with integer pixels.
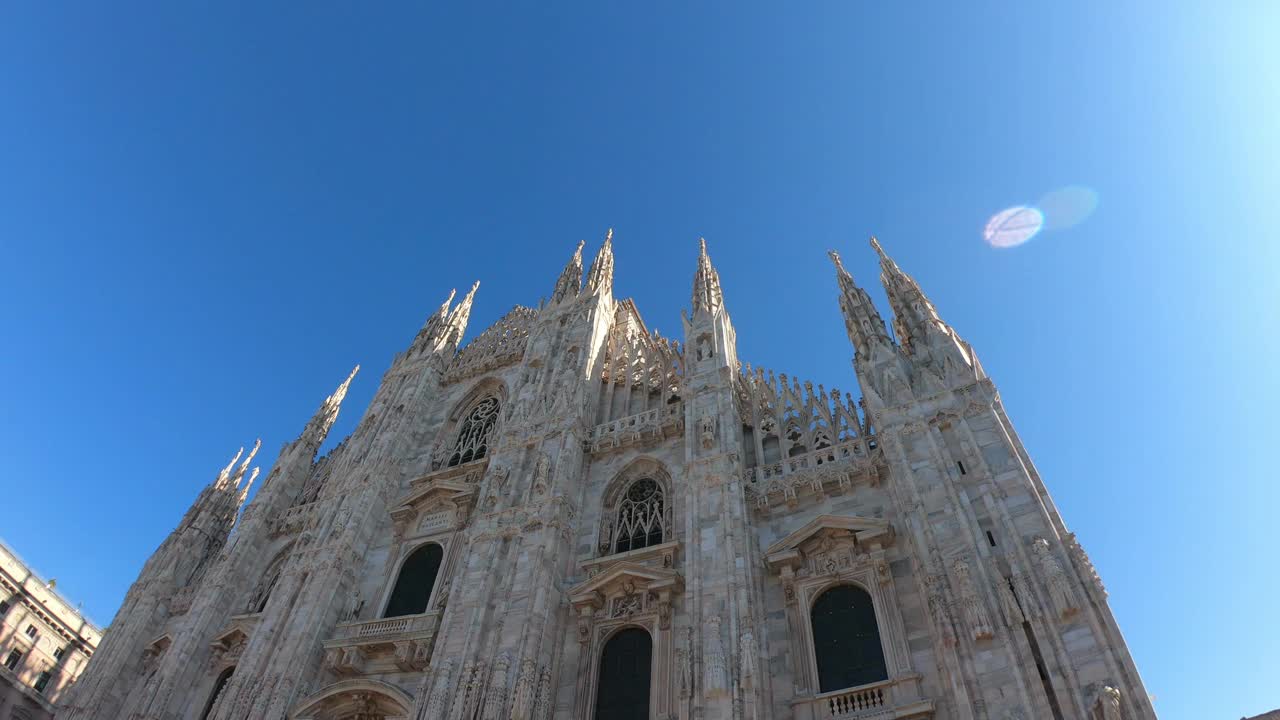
[
  {"x": 846, "y": 639},
  {"x": 622, "y": 692},
  {"x": 417, "y": 577}
]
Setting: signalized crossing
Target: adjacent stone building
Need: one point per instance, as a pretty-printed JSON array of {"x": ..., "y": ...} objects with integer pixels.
[
  {"x": 44, "y": 642},
  {"x": 571, "y": 517}
]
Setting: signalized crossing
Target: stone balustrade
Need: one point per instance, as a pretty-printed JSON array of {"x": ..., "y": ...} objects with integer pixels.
[
  {"x": 371, "y": 646},
  {"x": 362, "y": 629},
  {"x": 650, "y": 424},
  {"x": 829, "y": 468},
  {"x": 859, "y": 702},
  {"x": 883, "y": 699}
]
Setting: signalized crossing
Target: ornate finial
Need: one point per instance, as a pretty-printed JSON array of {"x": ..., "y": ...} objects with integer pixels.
[
  {"x": 244, "y": 491},
  {"x": 227, "y": 470},
  {"x": 706, "y": 282},
  {"x": 835, "y": 258},
  {"x": 457, "y": 322},
  {"x": 257, "y": 445},
  {"x": 600, "y": 277},
  {"x": 569, "y": 284},
  {"x": 342, "y": 389},
  {"x": 323, "y": 420}
]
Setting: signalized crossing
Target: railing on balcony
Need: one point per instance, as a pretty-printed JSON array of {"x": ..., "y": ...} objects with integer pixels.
[
  {"x": 850, "y": 450},
  {"x": 653, "y": 423},
  {"x": 862, "y": 701},
  {"x": 386, "y": 627},
  {"x": 818, "y": 471}
]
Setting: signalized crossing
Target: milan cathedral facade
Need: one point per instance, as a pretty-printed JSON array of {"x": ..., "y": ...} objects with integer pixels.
[{"x": 573, "y": 518}]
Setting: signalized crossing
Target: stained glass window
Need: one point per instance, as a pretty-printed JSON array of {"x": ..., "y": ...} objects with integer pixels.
[
  {"x": 642, "y": 517},
  {"x": 474, "y": 432}
]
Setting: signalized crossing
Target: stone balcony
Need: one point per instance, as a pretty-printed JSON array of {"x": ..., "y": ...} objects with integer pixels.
[
  {"x": 873, "y": 701},
  {"x": 383, "y": 645},
  {"x": 822, "y": 471},
  {"x": 654, "y": 424}
]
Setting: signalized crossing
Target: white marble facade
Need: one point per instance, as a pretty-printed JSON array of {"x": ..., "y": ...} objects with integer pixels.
[{"x": 573, "y": 475}]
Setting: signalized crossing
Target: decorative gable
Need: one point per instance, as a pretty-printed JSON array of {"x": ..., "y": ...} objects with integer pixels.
[
  {"x": 439, "y": 505},
  {"x": 626, "y": 589},
  {"x": 830, "y": 543}
]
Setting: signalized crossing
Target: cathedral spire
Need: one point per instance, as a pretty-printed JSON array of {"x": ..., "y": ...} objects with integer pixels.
[
  {"x": 600, "y": 278},
  {"x": 225, "y": 475},
  {"x": 434, "y": 328},
  {"x": 706, "y": 283},
  {"x": 920, "y": 329},
  {"x": 570, "y": 282},
  {"x": 318, "y": 428},
  {"x": 247, "y": 461},
  {"x": 861, "y": 319},
  {"x": 458, "y": 317}
]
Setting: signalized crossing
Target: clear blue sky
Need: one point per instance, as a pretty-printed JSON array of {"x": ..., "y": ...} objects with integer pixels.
[{"x": 209, "y": 214}]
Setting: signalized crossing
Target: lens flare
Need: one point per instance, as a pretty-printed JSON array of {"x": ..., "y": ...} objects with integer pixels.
[
  {"x": 1067, "y": 206},
  {"x": 1013, "y": 226}
]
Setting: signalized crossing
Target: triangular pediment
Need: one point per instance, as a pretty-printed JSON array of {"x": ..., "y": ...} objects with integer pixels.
[
  {"x": 160, "y": 644},
  {"x": 866, "y": 531},
  {"x": 618, "y": 575},
  {"x": 437, "y": 492},
  {"x": 231, "y": 637}
]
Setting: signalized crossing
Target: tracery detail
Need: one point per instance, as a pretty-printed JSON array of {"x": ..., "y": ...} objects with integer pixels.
[
  {"x": 642, "y": 517},
  {"x": 474, "y": 432}
]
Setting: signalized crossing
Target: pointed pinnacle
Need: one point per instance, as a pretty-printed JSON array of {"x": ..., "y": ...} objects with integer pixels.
[
  {"x": 835, "y": 258},
  {"x": 347, "y": 383},
  {"x": 244, "y": 492},
  {"x": 608, "y": 237},
  {"x": 257, "y": 445},
  {"x": 227, "y": 469},
  {"x": 444, "y": 306},
  {"x": 884, "y": 257},
  {"x": 471, "y": 293},
  {"x": 702, "y": 247}
]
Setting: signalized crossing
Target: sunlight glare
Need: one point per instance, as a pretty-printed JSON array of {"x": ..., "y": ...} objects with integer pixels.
[{"x": 1013, "y": 226}]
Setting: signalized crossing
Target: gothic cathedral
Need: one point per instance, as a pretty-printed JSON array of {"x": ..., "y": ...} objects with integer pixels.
[{"x": 574, "y": 518}]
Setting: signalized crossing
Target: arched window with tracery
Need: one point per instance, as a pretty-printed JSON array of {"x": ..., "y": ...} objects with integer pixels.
[
  {"x": 415, "y": 582},
  {"x": 475, "y": 432},
  {"x": 622, "y": 692},
  {"x": 642, "y": 516},
  {"x": 846, "y": 639},
  {"x": 218, "y": 687}
]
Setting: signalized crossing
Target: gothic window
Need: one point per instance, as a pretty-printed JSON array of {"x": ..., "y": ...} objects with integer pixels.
[
  {"x": 218, "y": 687},
  {"x": 846, "y": 639},
  {"x": 474, "y": 432},
  {"x": 262, "y": 593},
  {"x": 642, "y": 516},
  {"x": 625, "y": 666},
  {"x": 417, "y": 578}
]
